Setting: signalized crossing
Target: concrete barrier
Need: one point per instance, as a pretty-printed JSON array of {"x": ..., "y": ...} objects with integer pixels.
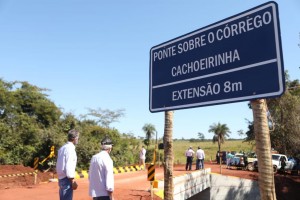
[
  {"x": 187, "y": 185},
  {"x": 229, "y": 187},
  {"x": 204, "y": 185}
]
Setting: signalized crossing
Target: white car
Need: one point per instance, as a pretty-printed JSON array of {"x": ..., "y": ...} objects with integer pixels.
[{"x": 276, "y": 160}]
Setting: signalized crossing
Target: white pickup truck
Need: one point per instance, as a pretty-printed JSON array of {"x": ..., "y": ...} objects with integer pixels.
[{"x": 276, "y": 161}]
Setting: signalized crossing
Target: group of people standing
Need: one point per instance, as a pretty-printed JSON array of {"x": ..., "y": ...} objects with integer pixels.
[
  {"x": 101, "y": 175},
  {"x": 190, "y": 154}
]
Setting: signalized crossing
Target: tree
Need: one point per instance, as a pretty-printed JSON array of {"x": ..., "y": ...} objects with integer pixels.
[
  {"x": 250, "y": 137},
  {"x": 221, "y": 131},
  {"x": 26, "y": 115},
  {"x": 284, "y": 119},
  {"x": 201, "y": 136},
  {"x": 285, "y": 115},
  {"x": 169, "y": 158},
  {"x": 286, "y": 134},
  {"x": 30, "y": 124},
  {"x": 263, "y": 150},
  {"x": 149, "y": 130},
  {"x": 105, "y": 117},
  {"x": 32, "y": 101}
]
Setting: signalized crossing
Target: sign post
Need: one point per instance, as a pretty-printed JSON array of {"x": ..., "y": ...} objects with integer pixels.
[
  {"x": 36, "y": 163},
  {"x": 236, "y": 59},
  {"x": 151, "y": 177}
]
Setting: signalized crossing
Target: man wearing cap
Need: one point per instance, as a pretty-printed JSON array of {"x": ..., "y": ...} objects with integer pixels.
[
  {"x": 65, "y": 166},
  {"x": 101, "y": 174}
]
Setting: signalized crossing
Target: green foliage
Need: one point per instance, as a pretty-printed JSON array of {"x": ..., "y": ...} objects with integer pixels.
[
  {"x": 105, "y": 117},
  {"x": 210, "y": 149},
  {"x": 31, "y": 101},
  {"x": 284, "y": 120},
  {"x": 146, "y": 142},
  {"x": 201, "y": 136},
  {"x": 221, "y": 131},
  {"x": 285, "y": 114},
  {"x": 150, "y": 154},
  {"x": 149, "y": 130},
  {"x": 193, "y": 140},
  {"x": 30, "y": 124}
]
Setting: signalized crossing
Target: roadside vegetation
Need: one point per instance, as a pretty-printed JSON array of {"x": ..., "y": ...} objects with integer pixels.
[
  {"x": 31, "y": 123},
  {"x": 210, "y": 149}
]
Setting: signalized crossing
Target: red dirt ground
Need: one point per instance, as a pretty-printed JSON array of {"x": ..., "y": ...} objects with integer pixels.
[{"x": 135, "y": 187}]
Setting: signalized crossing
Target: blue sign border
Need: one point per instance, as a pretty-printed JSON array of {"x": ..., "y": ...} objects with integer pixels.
[{"x": 163, "y": 84}]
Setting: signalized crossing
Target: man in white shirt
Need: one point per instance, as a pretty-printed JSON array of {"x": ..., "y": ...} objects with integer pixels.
[
  {"x": 101, "y": 174},
  {"x": 143, "y": 157},
  {"x": 189, "y": 158},
  {"x": 65, "y": 166},
  {"x": 200, "y": 158}
]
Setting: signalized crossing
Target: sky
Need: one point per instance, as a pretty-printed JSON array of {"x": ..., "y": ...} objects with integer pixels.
[{"x": 95, "y": 54}]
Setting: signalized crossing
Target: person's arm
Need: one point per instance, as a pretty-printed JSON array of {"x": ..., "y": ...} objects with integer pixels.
[
  {"x": 111, "y": 195},
  {"x": 109, "y": 178},
  {"x": 74, "y": 185},
  {"x": 70, "y": 167}
]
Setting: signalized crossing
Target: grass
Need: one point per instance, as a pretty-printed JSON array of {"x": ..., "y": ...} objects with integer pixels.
[{"x": 210, "y": 148}]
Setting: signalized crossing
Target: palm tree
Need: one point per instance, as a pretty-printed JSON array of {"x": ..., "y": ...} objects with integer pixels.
[
  {"x": 149, "y": 130},
  {"x": 221, "y": 131},
  {"x": 263, "y": 150},
  {"x": 169, "y": 158}
]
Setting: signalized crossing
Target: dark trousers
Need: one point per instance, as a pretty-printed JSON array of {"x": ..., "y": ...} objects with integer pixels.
[
  {"x": 197, "y": 164},
  {"x": 189, "y": 161}
]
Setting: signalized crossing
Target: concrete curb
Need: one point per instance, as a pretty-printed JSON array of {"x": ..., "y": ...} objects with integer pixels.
[{"x": 186, "y": 185}]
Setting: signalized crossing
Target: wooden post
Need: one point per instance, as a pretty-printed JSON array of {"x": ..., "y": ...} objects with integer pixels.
[
  {"x": 220, "y": 158},
  {"x": 35, "y": 177},
  {"x": 151, "y": 188},
  {"x": 158, "y": 158}
]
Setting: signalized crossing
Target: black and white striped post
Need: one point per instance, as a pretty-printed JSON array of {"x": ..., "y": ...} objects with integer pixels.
[{"x": 151, "y": 177}]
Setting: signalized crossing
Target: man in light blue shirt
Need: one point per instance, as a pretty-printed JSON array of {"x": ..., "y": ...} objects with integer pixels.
[
  {"x": 65, "y": 166},
  {"x": 101, "y": 174},
  {"x": 229, "y": 156}
]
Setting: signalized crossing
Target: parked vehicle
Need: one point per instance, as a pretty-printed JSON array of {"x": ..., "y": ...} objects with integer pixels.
[
  {"x": 240, "y": 161},
  {"x": 252, "y": 157},
  {"x": 223, "y": 155},
  {"x": 278, "y": 160},
  {"x": 296, "y": 165}
]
